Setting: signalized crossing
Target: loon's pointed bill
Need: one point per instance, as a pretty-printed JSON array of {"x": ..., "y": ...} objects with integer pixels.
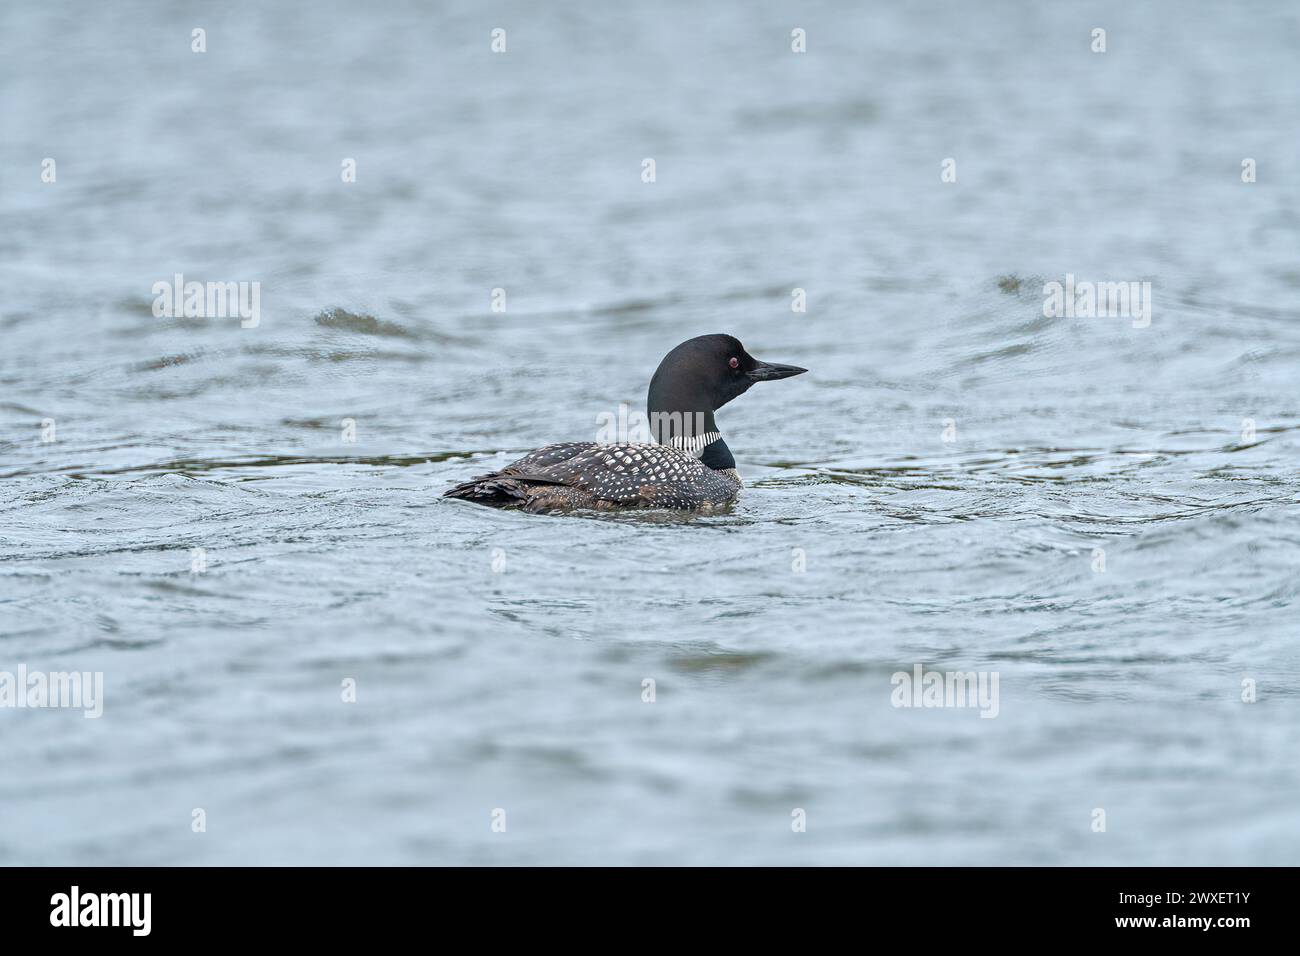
[
  {"x": 687, "y": 467},
  {"x": 771, "y": 371}
]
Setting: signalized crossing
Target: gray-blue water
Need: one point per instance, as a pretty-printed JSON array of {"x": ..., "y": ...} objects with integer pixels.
[{"x": 1103, "y": 515}]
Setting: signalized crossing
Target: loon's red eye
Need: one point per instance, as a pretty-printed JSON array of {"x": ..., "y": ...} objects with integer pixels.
[{"x": 735, "y": 362}]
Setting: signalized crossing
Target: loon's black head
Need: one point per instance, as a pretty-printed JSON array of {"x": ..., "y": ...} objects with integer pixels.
[{"x": 693, "y": 381}]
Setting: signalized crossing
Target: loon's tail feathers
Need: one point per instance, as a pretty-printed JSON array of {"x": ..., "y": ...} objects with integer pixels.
[
  {"x": 503, "y": 490},
  {"x": 495, "y": 489}
]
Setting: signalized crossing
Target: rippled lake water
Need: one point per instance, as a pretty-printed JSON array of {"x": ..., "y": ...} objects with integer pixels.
[{"x": 1103, "y": 515}]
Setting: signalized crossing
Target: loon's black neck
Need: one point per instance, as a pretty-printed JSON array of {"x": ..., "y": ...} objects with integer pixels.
[
  {"x": 718, "y": 456},
  {"x": 695, "y": 433}
]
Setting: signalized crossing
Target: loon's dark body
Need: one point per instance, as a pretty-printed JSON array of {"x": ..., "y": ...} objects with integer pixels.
[
  {"x": 590, "y": 475},
  {"x": 691, "y": 469}
]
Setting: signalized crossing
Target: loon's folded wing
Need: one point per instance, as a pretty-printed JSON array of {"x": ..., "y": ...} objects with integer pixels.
[{"x": 490, "y": 488}]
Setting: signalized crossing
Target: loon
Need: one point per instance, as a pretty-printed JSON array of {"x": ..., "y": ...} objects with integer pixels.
[{"x": 691, "y": 469}]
